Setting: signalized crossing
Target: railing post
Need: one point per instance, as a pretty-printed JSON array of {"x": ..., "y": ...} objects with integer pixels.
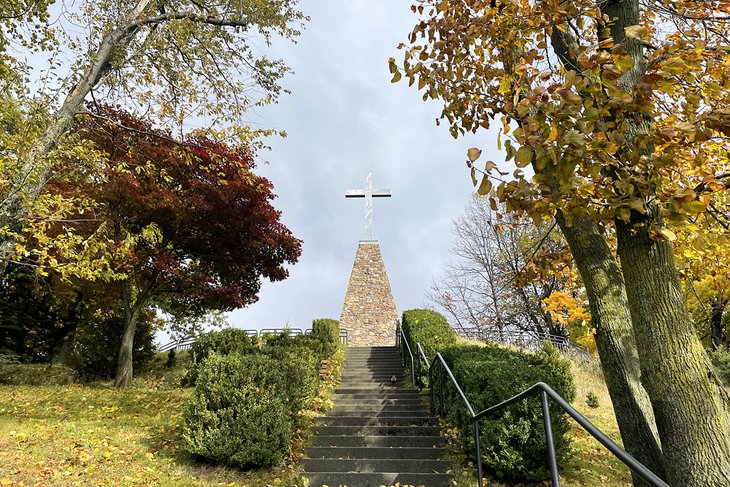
[
  {"x": 549, "y": 439},
  {"x": 478, "y": 449},
  {"x": 441, "y": 391},
  {"x": 430, "y": 388}
]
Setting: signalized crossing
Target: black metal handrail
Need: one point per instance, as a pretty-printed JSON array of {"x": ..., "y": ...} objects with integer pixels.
[
  {"x": 401, "y": 339},
  {"x": 545, "y": 392}
]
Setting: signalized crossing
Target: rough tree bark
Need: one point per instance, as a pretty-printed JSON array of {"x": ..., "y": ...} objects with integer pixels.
[
  {"x": 691, "y": 408},
  {"x": 615, "y": 341}
]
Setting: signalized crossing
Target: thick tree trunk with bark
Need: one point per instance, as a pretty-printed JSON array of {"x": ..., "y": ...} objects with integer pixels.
[
  {"x": 615, "y": 341},
  {"x": 125, "y": 369},
  {"x": 691, "y": 408}
]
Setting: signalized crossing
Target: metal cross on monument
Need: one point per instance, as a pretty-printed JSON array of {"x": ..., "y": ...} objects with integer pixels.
[{"x": 368, "y": 193}]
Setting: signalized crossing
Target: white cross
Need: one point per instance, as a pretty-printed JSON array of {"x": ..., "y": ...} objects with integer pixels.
[{"x": 368, "y": 193}]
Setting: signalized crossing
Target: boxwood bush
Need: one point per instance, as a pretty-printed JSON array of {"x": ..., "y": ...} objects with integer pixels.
[
  {"x": 327, "y": 331},
  {"x": 238, "y": 415},
  {"x": 513, "y": 441},
  {"x": 299, "y": 366},
  {"x": 428, "y": 328},
  {"x": 223, "y": 342}
]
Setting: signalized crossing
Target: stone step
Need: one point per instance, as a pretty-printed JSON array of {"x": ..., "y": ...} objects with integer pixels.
[
  {"x": 406, "y": 413},
  {"x": 402, "y": 465},
  {"x": 372, "y": 353},
  {"x": 373, "y": 388},
  {"x": 374, "y": 402},
  {"x": 379, "y": 411},
  {"x": 371, "y": 383},
  {"x": 374, "y": 363},
  {"x": 378, "y": 441},
  {"x": 374, "y": 370},
  {"x": 372, "y": 377},
  {"x": 383, "y": 452},
  {"x": 382, "y": 370},
  {"x": 375, "y": 393},
  {"x": 376, "y": 347},
  {"x": 369, "y": 374},
  {"x": 419, "y": 420},
  {"x": 335, "y": 479},
  {"x": 378, "y": 430}
]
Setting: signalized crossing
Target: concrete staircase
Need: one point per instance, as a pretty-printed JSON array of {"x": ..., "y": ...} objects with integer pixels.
[{"x": 379, "y": 432}]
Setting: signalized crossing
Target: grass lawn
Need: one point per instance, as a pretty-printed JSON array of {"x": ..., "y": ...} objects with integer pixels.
[{"x": 98, "y": 435}]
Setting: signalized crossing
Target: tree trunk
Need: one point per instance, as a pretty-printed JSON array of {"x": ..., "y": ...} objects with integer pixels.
[
  {"x": 615, "y": 341},
  {"x": 691, "y": 408},
  {"x": 125, "y": 370},
  {"x": 717, "y": 312}
]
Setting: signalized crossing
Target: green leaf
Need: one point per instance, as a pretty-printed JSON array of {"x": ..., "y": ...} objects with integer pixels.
[
  {"x": 695, "y": 206},
  {"x": 636, "y": 31},
  {"x": 674, "y": 65},
  {"x": 624, "y": 63},
  {"x": 523, "y": 156},
  {"x": 667, "y": 234},
  {"x": 485, "y": 187}
]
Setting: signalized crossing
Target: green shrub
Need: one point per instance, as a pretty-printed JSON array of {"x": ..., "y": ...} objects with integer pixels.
[
  {"x": 512, "y": 441},
  {"x": 171, "y": 359},
  {"x": 721, "y": 362},
  {"x": 95, "y": 346},
  {"x": 428, "y": 328},
  {"x": 8, "y": 357},
  {"x": 238, "y": 415},
  {"x": 36, "y": 375},
  {"x": 299, "y": 366},
  {"x": 223, "y": 342},
  {"x": 592, "y": 400},
  {"x": 327, "y": 331}
]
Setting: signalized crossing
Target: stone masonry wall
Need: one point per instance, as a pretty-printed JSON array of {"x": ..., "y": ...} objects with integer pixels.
[{"x": 369, "y": 314}]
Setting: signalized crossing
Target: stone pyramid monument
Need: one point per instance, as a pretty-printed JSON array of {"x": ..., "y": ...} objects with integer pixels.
[{"x": 369, "y": 314}]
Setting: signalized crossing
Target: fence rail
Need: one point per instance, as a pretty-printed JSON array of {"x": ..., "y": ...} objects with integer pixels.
[
  {"x": 438, "y": 367},
  {"x": 187, "y": 343},
  {"x": 530, "y": 340}
]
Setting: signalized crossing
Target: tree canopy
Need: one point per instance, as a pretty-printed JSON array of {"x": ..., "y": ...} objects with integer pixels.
[
  {"x": 620, "y": 109},
  {"x": 188, "y": 226}
]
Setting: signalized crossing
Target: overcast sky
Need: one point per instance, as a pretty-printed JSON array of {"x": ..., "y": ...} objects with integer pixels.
[{"x": 345, "y": 119}]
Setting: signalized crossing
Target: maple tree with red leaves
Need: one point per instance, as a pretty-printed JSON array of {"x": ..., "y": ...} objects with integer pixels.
[{"x": 191, "y": 227}]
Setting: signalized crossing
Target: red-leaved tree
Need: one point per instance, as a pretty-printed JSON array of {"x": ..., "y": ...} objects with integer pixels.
[{"x": 191, "y": 227}]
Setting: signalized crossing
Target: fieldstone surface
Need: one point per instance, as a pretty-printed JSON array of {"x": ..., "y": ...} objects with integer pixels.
[{"x": 369, "y": 314}]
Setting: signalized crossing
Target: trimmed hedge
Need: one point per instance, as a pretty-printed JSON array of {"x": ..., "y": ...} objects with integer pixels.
[
  {"x": 428, "y": 328},
  {"x": 513, "y": 441},
  {"x": 238, "y": 415},
  {"x": 327, "y": 331},
  {"x": 299, "y": 366},
  {"x": 248, "y": 394},
  {"x": 223, "y": 342}
]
